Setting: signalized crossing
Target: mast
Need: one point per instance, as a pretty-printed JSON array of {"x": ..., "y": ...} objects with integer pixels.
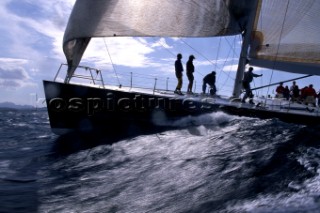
[{"x": 246, "y": 35}]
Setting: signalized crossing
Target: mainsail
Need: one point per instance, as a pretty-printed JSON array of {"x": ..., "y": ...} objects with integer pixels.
[{"x": 167, "y": 18}]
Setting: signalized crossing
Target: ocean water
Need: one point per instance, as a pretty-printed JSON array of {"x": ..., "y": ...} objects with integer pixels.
[{"x": 213, "y": 163}]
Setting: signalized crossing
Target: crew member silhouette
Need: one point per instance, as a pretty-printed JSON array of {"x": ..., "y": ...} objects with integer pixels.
[
  {"x": 190, "y": 71},
  {"x": 209, "y": 79},
  {"x": 178, "y": 69},
  {"x": 247, "y": 79}
]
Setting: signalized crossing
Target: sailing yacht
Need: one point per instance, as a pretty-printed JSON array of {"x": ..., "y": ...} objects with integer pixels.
[{"x": 278, "y": 35}]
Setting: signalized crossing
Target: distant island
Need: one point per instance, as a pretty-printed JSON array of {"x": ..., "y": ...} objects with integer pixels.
[{"x": 10, "y": 105}]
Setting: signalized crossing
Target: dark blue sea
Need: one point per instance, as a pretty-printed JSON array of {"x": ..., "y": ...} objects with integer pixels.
[{"x": 210, "y": 163}]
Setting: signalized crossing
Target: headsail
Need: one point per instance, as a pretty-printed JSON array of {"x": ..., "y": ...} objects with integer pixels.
[
  {"x": 287, "y": 36},
  {"x": 170, "y": 18}
]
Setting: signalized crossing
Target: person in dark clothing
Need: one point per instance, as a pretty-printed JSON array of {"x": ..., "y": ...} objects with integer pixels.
[
  {"x": 209, "y": 79},
  {"x": 280, "y": 91},
  {"x": 303, "y": 93},
  {"x": 190, "y": 71},
  {"x": 294, "y": 92},
  {"x": 247, "y": 79},
  {"x": 178, "y": 69},
  {"x": 286, "y": 93}
]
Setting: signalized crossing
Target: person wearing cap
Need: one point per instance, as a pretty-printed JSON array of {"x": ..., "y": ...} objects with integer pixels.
[
  {"x": 190, "y": 71},
  {"x": 247, "y": 78},
  {"x": 178, "y": 70},
  {"x": 209, "y": 79}
]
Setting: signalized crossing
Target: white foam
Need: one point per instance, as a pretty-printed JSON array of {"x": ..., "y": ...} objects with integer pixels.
[{"x": 215, "y": 118}]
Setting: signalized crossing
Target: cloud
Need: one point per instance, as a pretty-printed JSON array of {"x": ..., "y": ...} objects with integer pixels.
[
  {"x": 42, "y": 26},
  {"x": 161, "y": 43},
  {"x": 31, "y": 40},
  {"x": 13, "y": 73},
  {"x": 30, "y": 23},
  {"x": 230, "y": 68},
  {"x": 121, "y": 51}
]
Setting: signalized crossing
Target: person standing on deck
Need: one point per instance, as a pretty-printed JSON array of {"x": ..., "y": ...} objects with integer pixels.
[
  {"x": 310, "y": 95},
  {"x": 247, "y": 79},
  {"x": 178, "y": 69},
  {"x": 280, "y": 90},
  {"x": 190, "y": 71},
  {"x": 294, "y": 92},
  {"x": 286, "y": 93}
]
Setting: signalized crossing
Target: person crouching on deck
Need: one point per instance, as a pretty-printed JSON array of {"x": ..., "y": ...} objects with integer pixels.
[{"x": 209, "y": 79}]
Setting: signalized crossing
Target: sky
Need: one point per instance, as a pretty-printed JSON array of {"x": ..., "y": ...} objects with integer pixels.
[{"x": 31, "y": 33}]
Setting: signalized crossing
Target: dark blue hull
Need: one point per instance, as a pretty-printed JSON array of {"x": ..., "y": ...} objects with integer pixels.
[{"x": 86, "y": 109}]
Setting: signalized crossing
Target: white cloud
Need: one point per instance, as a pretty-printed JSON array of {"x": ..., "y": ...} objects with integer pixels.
[
  {"x": 32, "y": 32},
  {"x": 124, "y": 51},
  {"x": 13, "y": 73},
  {"x": 162, "y": 43},
  {"x": 230, "y": 68},
  {"x": 26, "y": 33}
]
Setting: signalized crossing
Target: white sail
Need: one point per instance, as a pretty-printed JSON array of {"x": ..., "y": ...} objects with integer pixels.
[{"x": 175, "y": 18}]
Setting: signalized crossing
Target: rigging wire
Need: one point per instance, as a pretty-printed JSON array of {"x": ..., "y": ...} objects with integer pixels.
[
  {"x": 261, "y": 24},
  {"x": 231, "y": 49},
  {"x": 114, "y": 68},
  {"x": 215, "y": 67},
  {"x": 229, "y": 73},
  {"x": 278, "y": 46},
  {"x": 144, "y": 76},
  {"x": 159, "y": 42},
  {"x": 196, "y": 52}
]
